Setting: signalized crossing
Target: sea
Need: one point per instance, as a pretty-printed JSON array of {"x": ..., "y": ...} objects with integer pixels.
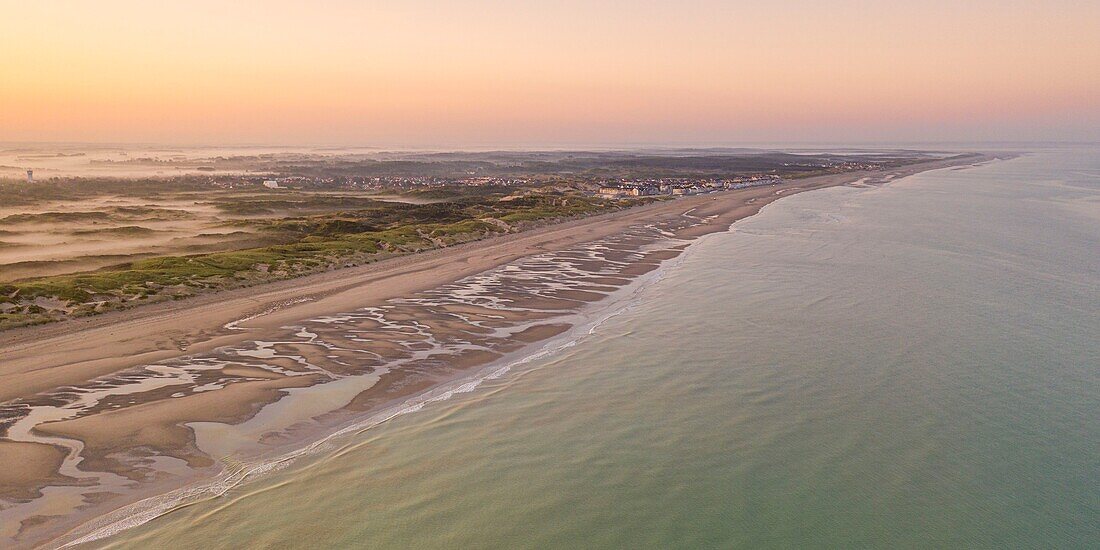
[{"x": 912, "y": 365}]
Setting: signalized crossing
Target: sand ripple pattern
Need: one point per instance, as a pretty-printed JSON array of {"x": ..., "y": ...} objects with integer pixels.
[{"x": 328, "y": 371}]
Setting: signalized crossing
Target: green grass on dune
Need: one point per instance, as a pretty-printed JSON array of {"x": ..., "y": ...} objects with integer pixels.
[{"x": 317, "y": 243}]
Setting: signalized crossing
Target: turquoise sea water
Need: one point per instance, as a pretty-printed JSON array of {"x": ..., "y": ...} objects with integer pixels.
[{"x": 916, "y": 365}]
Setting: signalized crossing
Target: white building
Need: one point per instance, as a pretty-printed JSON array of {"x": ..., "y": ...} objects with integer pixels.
[{"x": 271, "y": 184}]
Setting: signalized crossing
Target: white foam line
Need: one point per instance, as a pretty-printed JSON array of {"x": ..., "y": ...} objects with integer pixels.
[
  {"x": 146, "y": 510},
  {"x": 234, "y": 325}
]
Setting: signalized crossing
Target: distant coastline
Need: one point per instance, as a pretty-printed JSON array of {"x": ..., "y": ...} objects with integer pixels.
[{"x": 426, "y": 320}]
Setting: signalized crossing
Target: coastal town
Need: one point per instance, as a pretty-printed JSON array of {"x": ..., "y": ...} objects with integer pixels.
[
  {"x": 620, "y": 188},
  {"x": 554, "y": 275},
  {"x": 681, "y": 187},
  {"x": 607, "y": 174}
]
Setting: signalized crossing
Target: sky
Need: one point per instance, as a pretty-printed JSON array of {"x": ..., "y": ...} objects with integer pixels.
[{"x": 464, "y": 73}]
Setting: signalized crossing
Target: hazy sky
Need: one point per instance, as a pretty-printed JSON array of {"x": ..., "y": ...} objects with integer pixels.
[{"x": 480, "y": 72}]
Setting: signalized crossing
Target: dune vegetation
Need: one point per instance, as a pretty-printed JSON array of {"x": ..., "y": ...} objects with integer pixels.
[{"x": 312, "y": 243}]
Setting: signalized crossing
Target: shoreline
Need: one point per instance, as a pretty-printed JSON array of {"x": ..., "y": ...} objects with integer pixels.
[
  {"x": 148, "y": 509},
  {"x": 331, "y": 293}
]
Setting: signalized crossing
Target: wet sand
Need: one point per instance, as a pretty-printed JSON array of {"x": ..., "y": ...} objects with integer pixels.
[
  {"x": 37, "y": 466},
  {"x": 173, "y": 394}
]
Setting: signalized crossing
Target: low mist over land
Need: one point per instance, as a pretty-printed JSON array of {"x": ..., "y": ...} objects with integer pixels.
[
  {"x": 158, "y": 162},
  {"x": 100, "y": 228}
]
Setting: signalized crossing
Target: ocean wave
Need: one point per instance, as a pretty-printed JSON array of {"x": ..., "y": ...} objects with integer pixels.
[{"x": 472, "y": 291}]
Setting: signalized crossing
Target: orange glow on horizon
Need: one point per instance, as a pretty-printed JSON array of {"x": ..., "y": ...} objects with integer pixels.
[{"x": 484, "y": 72}]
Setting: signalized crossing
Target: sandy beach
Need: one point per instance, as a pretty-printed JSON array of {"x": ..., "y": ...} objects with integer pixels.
[{"x": 127, "y": 405}]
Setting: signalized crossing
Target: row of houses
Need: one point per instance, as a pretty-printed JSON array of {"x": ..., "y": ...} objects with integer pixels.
[{"x": 633, "y": 189}]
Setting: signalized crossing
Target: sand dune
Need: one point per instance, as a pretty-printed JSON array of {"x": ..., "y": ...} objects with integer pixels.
[{"x": 188, "y": 381}]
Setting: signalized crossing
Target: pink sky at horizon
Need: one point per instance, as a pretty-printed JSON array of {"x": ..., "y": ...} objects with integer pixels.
[{"x": 480, "y": 72}]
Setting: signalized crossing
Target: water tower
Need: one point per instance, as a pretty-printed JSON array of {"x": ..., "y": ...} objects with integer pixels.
[{"x": 30, "y": 176}]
